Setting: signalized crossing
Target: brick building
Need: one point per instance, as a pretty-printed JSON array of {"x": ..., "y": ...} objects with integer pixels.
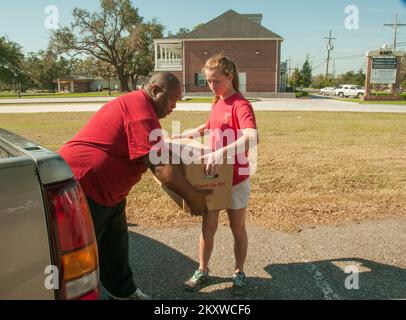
[
  {"x": 80, "y": 84},
  {"x": 255, "y": 50}
]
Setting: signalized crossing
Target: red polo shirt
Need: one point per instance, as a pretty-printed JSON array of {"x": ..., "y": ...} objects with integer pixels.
[
  {"x": 227, "y": 120},
  {"x": 104, "y": 155}
]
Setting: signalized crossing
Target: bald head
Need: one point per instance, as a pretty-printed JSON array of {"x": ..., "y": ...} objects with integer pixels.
[
  {"x": 166, "y": 81},
  {"x": 165, "y": 90}
]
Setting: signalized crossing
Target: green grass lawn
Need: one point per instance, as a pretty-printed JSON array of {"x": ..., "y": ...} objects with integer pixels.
[
  {"x": 6, "y": 95},
  {"x": 313, "y": 167},
  {"x": 88, "y": 94},
  {"x": 403, "y": 102}
]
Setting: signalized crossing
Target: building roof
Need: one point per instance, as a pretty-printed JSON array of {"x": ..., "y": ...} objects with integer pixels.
[
  {"x": 76, "y": 78},
  {"x": 231, "y": 25}
]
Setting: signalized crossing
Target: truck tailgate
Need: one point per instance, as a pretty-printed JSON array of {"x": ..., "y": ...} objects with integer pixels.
[
  {"x": 24, "y": 245},
  {"x": 25, "y": 249}
]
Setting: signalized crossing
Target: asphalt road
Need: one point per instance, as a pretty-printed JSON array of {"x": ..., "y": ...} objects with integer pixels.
[
  {"x": 311, "y": 264},
  {"x": 275, "y": 104}
]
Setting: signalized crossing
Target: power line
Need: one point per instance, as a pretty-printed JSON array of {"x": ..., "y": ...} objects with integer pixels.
[
  {"x": 329, "y": 48},
  {"x": 318, "y": 66},
  {"x": 311, "y": 57},
  {"x": 395, "y": 25},
  {"x": 397, "y": 44},
  {"x": 355, "y": 56},
  {"x": 353, "y": 52}
]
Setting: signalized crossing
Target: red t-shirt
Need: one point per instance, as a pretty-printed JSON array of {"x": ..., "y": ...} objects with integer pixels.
[
  {"x": 227, "y": 120},
  {"x": 104, "y": 155}
]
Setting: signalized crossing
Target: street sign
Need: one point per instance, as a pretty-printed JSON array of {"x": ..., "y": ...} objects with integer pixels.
[{"x": 383, "y": 69}]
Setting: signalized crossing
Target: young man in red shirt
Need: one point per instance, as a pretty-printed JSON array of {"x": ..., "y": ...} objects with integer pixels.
[{"x": 108, "y": 157}]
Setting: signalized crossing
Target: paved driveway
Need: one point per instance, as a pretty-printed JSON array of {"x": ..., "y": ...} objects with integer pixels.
[{"x": 311, "y": 264}]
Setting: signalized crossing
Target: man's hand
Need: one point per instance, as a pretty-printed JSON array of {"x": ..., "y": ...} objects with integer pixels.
[{"x": 197, "y": 202}]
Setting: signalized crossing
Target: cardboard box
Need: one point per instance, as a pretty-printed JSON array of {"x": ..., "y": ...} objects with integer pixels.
[{"x": 221, "y": 184}]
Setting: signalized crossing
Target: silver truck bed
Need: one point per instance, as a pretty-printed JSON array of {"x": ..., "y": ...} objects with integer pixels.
[{"x": 25, "y": 249}]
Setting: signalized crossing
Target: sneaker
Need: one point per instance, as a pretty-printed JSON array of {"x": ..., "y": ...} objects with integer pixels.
[
  {"x": 197, "y": 281},
  {"x": 239, "y": 283},
  {"x": 137, "y": 295}
]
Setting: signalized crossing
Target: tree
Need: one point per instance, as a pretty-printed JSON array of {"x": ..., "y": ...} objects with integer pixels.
[
  {"x": 45, "y": 67},
  {"x": 306, "y": 74},
  {"x": 4, "y": 86},
  {"x": 359, "y": 78},
  {"x": 403, "y": 68},
  {"x": 142, "y": 40},
  {"x": 295, "y": 80},
  {"x": 91, "y": 67},
  {"x": 351, "y": 77},
  {"x": 183, "y": 31},
  {"x": 11, "y": 57},
  {"x": 198, "y": 26},
  {"x": 110, "y": 35},
  {"x": 320, "y": 81},
  {"x": 180, "y": 32}
]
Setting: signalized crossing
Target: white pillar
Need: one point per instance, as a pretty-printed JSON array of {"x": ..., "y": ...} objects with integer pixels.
[
  {"x": 72, "y": 87},
  {"x": 156, "y": 55},
  {"x": 59, "y": 86},
  {"x": 183, "y": 68},
  {"x": 277, "y": 67}
]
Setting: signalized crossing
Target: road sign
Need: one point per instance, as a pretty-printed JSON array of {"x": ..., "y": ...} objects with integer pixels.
[{"x": 383, "y": 70}]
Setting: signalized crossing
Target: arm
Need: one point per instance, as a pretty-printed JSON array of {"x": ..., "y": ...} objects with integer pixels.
[
  {"x": 172, "y": 177},
  {"x": 142, "y": 140},
  {"x": 193, "y": 133},
  {"x": 248, "y": 139}
]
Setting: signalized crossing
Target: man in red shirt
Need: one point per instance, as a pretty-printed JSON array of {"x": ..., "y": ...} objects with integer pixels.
[{"x": 108, "y": 157}]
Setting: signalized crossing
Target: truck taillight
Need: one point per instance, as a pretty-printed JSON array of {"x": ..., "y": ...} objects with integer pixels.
[{"x": 73, "y": 241}]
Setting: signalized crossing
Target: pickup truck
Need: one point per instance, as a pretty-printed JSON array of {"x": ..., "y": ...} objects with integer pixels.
[
  {"x": 349, "y": 90},
  {"x": 48, "y": 248}
]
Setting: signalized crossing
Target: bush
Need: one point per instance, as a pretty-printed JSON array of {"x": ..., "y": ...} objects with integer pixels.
[
  {"x": 289, "y": 89},
  {"x": 301, "y": 94}
]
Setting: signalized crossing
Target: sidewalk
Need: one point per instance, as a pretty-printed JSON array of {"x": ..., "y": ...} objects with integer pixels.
[{"x": 92, "y": 105}]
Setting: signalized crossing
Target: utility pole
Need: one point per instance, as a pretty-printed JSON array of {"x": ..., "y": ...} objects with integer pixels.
[
  {"x": 108, "y": 71},
  {"x": 395, "y": 25},
  {"x": 289, "y": 68},
  {"x": 329, "y": 48}
]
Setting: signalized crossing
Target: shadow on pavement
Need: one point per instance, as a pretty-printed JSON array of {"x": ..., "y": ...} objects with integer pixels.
[
  {"x": 315, "y": 96},
  {"x": 160, "y": 271},
  {"x": 327, "y": 280}
]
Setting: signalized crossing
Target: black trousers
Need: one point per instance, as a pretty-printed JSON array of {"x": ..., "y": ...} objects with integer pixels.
[{"x": 110, "y": 225}]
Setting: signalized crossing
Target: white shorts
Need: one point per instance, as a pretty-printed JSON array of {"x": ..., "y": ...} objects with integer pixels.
[{"x": 241, "y": 194}]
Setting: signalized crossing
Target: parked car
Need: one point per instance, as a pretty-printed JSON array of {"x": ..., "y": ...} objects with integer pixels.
[
  {"x": 47, "y": 243},
  {"x": 327, "y": 91},
  {"x": 349, "y": 90}
]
